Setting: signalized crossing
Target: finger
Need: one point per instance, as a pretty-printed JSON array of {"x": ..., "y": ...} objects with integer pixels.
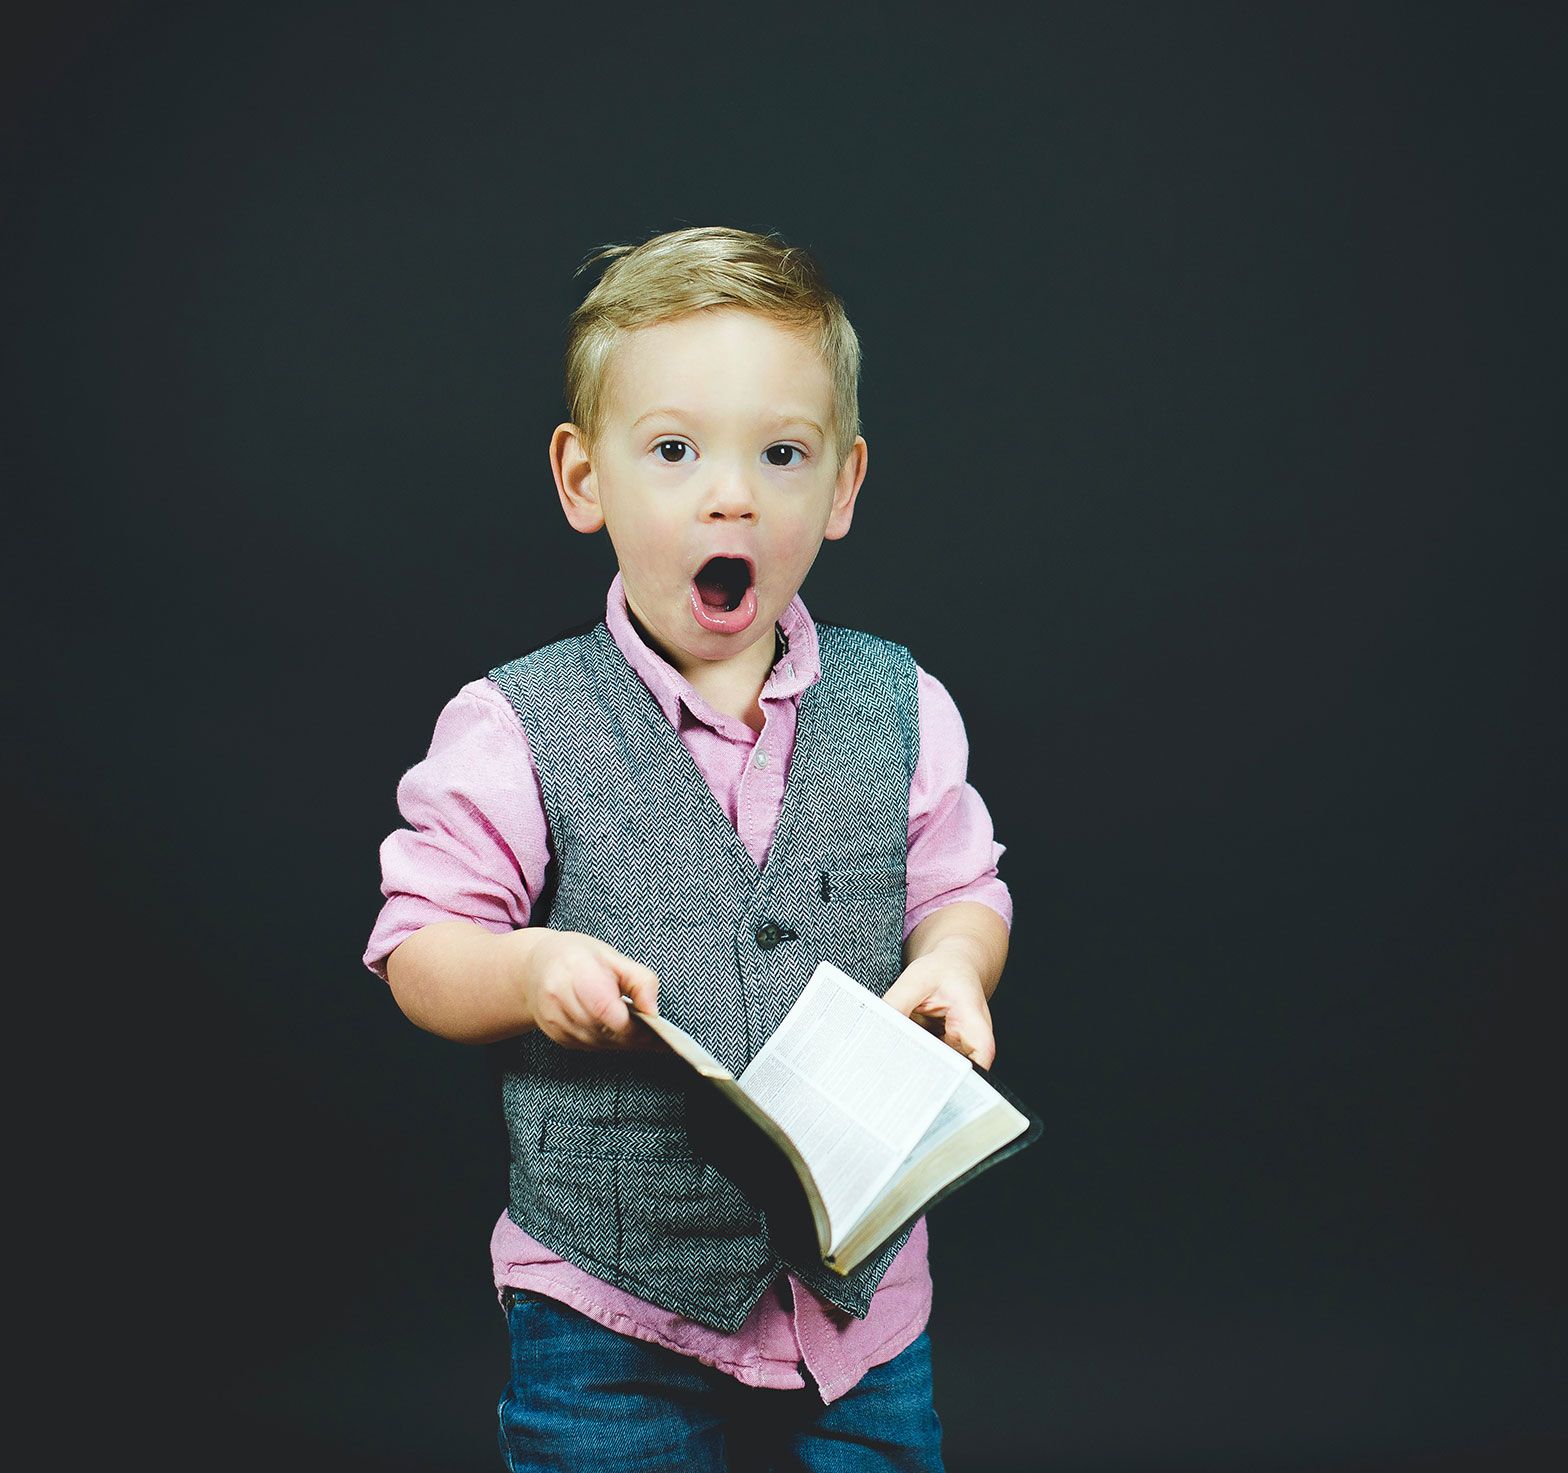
[
  {"x": 638, "y": 988},
  {"x": 642, "y": 1036},
  {"x": 574, "y": 1026},
  {"x": 591, "y": 1012},
  {"x": 970, "y": 1033},
  {"x": 568, "y": 1027},
  {"x": 908, "y": 992},
  {"x": 609, "y": 1014},
  {"x": 640, "y": 984},
  {"x": 583, "y": 996}
]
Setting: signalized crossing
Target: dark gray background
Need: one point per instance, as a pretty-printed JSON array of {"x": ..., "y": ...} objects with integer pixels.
[{"x": 1213, "y": 382}]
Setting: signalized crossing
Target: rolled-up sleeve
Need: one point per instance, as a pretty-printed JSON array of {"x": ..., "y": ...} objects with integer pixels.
[
  {"x": 953, "y": 851},
  {"x": 477, "y": 844}
]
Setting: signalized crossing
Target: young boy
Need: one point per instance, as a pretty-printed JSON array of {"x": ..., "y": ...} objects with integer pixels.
[{"x": 684, "y": 810}]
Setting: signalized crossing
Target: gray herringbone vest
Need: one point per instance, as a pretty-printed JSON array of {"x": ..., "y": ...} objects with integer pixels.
[{"x": 602, "y": 1170}]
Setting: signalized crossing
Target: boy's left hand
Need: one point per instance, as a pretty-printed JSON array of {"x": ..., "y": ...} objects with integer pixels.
[{"x": 944, "y": 994}]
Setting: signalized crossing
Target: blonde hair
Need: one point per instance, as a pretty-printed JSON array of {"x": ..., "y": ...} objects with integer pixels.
[{"x": 695, "y": 270}]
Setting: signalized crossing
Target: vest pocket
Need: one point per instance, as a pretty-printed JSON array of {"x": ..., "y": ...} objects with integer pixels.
[
  {"x": 863, "y": 882},
  {"x": 863, "y": 923},
  {"x": 625, "y": 1140},
  {"x": 671, "y": 1206}
]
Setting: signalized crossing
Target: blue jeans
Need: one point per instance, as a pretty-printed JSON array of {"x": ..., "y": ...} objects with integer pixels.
[{"x": 583, "y": 1399}]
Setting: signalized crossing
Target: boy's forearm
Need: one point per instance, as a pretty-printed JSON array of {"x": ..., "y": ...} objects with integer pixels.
[
  {"x": 968, "y": 929},
  {"x": 459, "y": 981}
]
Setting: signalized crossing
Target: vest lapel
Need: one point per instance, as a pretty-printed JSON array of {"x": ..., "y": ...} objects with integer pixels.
[{"x": 626, "y": 694}]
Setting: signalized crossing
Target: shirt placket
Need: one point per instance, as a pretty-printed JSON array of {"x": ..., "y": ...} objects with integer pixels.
[
  {"x": 821, "y": 1352},
  {"x": 761, "y": 791}
]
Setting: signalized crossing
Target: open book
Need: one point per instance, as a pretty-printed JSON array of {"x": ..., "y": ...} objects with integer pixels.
[{"x": 873, "y": 1117}]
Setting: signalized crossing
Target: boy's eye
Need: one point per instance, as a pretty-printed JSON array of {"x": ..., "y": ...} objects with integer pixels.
[
  {"x": 780, "y": 454},
  {"x": 673, "y": 451}
]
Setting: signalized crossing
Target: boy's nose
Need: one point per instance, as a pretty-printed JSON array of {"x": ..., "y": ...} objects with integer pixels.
[{"x": 730, "y": 499}]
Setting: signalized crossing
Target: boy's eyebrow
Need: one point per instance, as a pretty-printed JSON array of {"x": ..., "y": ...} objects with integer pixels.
[{"x": 775, "y": 421}]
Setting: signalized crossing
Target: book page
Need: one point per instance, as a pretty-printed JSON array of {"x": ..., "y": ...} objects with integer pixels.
[
  {"x": 975, "y": 1122},
  {"x": 968, "y": 1102},
  {"x": 687, "y": 1047},
  {"x": 855, "y": 1084}
]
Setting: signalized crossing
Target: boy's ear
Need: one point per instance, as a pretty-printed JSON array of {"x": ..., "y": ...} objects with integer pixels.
[
  {"x": 846, "y": 489},
  {"x": 574, "y": 478}
]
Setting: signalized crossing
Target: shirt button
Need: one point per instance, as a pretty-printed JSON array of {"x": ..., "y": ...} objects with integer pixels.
[{"x": 761, "y": 759}]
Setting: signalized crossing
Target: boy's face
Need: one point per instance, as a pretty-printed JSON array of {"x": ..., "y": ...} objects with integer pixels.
[{"x": 714, "y": 475}]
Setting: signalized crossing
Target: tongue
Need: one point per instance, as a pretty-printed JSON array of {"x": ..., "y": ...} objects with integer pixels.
[
  {"x": 722, "y": 607},
  {"x": 720, "y": 583},
  {"x": 712, "y": 590}
]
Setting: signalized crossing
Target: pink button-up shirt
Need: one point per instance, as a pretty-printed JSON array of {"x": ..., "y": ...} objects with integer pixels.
[{"x": 478, "y": 850}]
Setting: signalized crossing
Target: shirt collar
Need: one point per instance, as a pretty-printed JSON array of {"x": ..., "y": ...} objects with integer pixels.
[{"x": 799, "y": 666}]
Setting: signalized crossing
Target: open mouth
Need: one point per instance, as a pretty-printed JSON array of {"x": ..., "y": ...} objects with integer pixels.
[
  {"x": 722, "y": 582},
  {"x": 724, "y": 595}
]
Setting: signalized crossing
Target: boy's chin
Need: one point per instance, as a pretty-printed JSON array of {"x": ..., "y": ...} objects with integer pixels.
[{"x": 687, "y": 640}]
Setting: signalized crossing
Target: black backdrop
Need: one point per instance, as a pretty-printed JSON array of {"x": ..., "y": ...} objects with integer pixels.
[{"x": 1213, "y": 380}]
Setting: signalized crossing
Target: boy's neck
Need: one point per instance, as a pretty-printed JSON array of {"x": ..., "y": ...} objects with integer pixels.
[{"x": 733, "y": 686}]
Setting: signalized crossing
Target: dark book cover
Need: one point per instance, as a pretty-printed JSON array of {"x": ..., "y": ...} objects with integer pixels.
[{"x": 737, "y": 1148}]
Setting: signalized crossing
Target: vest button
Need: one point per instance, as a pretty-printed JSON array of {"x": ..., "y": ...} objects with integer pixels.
[{"x": 770, "y": 933}]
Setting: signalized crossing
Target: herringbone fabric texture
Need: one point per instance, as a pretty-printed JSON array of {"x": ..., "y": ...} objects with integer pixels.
[{"x": 602, "y": 1170}]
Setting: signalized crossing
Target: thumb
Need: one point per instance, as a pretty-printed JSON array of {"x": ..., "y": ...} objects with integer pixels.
[
  {"x": 639, "y": 984},
  {"x": 907, "y": 993}
]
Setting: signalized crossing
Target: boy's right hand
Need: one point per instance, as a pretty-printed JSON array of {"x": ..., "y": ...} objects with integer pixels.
[{"x": 575, "y": 988}]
